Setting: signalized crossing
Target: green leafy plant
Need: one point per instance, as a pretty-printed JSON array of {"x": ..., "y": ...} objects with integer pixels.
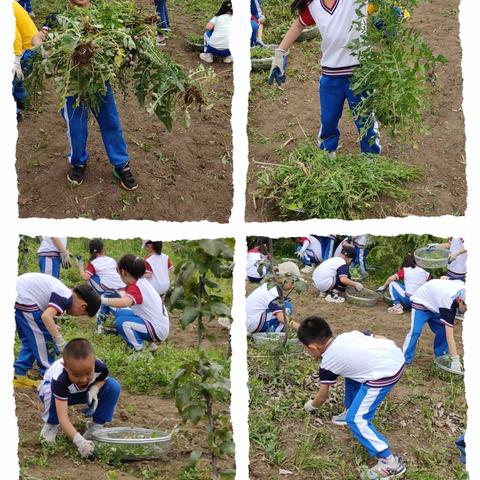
[
  {"x": 261, "y": 53},
  {"x": 310, "y": 183},
  {"x": 396, "y": 69},
  {"x": 112, "y": 42}
]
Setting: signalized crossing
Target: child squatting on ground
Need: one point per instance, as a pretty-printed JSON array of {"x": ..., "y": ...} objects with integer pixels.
[
  {"x": 140, "y": 315},
  {"x": 101, "y": 273},
  {"x": 257, "y": 257},
  {"x": 77, "y": 378},
  {"x": 158, "y": 267},
  {"x": 217, "y": 35},
  {"x": 40, "y": 298},
  {"x": 332, "y": 276},
  {"x": 76, "y": 118},
  {"x": 371, "y": 365}
]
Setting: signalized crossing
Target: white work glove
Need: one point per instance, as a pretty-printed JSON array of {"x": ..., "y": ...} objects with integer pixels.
[
  {"x": 59, "y": 342},
  {"x": 17, "y": 68},
  {"x": 301, "y": 254},
  {"x": 309, "y": 407},
  {"x": 381, "y": 289},
  {"x": 65, "y": 258},
  {"x": 85, "y": 447},
  {"x": 92, "y": 400},
  {"x": 279, "y": 64},
  {"x": 358, "y": 286},
  {"x": 456, "y": 364}
]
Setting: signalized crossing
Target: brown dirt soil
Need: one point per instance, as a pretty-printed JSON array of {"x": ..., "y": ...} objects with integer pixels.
[
  {"x": 277, "y": 119},
  {"x": 183, "y": 175},
  {"x": 407, "y": 430}
]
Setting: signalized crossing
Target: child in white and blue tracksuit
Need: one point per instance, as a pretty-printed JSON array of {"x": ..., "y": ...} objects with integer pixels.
[
  {"x": 101, "y": 273},
  {"x": 140, "y": 314},
  {"x": 40, "y": 298},
  {"x": 216, "y": 38},
  {"x": 436, "y": 303},
  {"x": 309, "y": 249},
  {"x": 76, "y": 119},
  {"x": 372, "y": 366},
  {"x": 256, "y": 19},
  {"x": 335, "y": 20},
  {"x": 52, "y": 253},
  {"x": 79, "y": 378},
  {"x": 360, "y": 260}
]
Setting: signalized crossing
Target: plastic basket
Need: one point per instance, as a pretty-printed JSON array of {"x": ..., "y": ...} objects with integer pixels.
[
  {"x": 260, "y": 64},
  {"x": 363, "y": 298},
  {"x": 431, "y": 259},
  {"x": 132, "y": 443},
  {"x": 194, "y": 46},
  {"x": 308, "y": 34},
  {"x": 443, "y": 362},
  {"x": 387, "y": 298}
]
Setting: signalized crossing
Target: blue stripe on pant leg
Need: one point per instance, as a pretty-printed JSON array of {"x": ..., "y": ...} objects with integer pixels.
[
  {"x": 107, "y": 401},
  {"x": 360, "y": 416},
  {"x": 25, "y": 357},
  {"x": 397, "y": 292},
  {"x": 76, "y": 120},
  {"x": 419, "y": 319},
  {"x": 351, "y": 390},
  {"x": 255, "y": 27},
  {"x": 370, "y": 142},
  {"x": 327, "y": 247},
  {"x": 37, "y": 338},
  {"x": 111, "y": 129},
  {"x": 131, "y": 328},
  {"x": 272, "y": 324},
  {"x": 440, "y": 344},
  {"x": 332, "y": 98}
]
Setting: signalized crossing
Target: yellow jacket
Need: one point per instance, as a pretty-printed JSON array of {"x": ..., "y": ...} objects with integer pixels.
[{"x": 25, "y": 29}]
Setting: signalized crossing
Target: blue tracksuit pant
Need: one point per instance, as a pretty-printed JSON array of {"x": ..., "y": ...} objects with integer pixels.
[
  {"x": 362, "y": 403},
  {"x": 360, "y": 259},
  {"x": 460, "y": 443},
  {"x": 162, "y": 12},
  {"x": 131, "y": 328},
  {"x": 309, "y": 259},
  {"x": 37, "y": 343},
  {"x": 26, "y": 4},
  {"x": 104, "y": 310},
  {"x": 107, "y": 401},
  {"x": 327, "y": 247},
  {"x": 419, "y": 319},
  {"x": 398, "y": 294},
  {"x": 333, "y": 93},
  {"x": 50, "y": 265},
  {"x": 270, "y": 323},
  {"x": 110, "y": 129},
  {"x": 207, "y": 48}
]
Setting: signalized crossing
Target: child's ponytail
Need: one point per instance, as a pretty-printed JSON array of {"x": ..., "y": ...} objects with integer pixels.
[
  {"x": 299, "y": 5},
  {"x": 156, "y": 246},
  {"x": 133, "y": 265},
  {"x": 409, "y": 261},
  {"x": 95, "y": 247}
]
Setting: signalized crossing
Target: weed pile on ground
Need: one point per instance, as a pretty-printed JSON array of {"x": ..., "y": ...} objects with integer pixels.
[
  {"x": 259, "y": 52},
  {"x": 310, "y": 183}
]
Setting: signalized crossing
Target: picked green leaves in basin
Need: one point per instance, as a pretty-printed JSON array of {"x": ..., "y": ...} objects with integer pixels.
[
  {"x": 431, "y": 258},
  {"x": 363, "y": 298}
]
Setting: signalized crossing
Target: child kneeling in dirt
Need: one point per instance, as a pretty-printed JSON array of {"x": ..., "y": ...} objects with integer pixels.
[
  {"x": 140, "y": 315},
  {"x": 40, "y": 298},
  {"x": 217, "y": 35},
  {"x": 371, "y": 365},
  {"x": 332, "y": 276},
  {"x": 403, "y": 284},
  {"x": 309, "y": 250},
  {"x": 77, "y": 378},
  {"x": 264, "y": 314}
]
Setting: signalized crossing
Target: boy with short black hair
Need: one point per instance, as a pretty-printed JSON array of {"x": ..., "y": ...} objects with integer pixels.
[
  {"x": 77, "y": 378},
  {"x": 371, "y": 365},
  {"x": 40, "y": 298}
]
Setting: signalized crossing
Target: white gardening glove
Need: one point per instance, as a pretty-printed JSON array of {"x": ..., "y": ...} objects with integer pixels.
[
  {"x": 59, "y": 342},
  {"x": 309, "y": 407},
  {"x": 381, "y": 289},
  {"x": 92, "y": 400},
  {"x": 279, "y": 64},
  {"x": 452, "y": 257},
  {"x": 456, "y": 364},
  {"x": 17, "y": 68},
  {"x": 85, "y": 447},
  {"x": 65, "y": 258},
  {"x": 358, "y": 286},
  {"x": 300, "y": 254}
]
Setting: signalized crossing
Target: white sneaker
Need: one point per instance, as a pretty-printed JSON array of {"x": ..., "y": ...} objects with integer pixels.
[
  {"x": 307, "y": 269},
  {"x": 228, "y": 59},
  {"x": 340, "y": 419},
  {"x": 385, "y": 469},
  {"x": 334, "y": 298},
  {"x": 91, "y": 427},
  {"x": 152, "y": 347},
  {"x": 207, "y": 57},
  {"x": 397, "y": 309},
  {"x": 322, "y": 294},
  {"x": 49, "y": 432}
]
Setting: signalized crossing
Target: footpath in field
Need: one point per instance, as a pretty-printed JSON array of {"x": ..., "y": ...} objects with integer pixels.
[
  {"x": 156, "y": 393},
  {"x": 286, "y": 119},
  {"x": 183, "y": 175}
]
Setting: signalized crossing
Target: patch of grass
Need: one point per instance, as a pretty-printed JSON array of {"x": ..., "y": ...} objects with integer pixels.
[{"x": 309, "y": 183}]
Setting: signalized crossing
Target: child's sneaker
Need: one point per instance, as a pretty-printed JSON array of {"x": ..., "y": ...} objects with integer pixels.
[
  {"x": 49, "y": 432},
  {"x": 125, "y": 175},
  {"x": 152, "y": 347},
  {"x": 397, "y": 309},
  {"x": 387, "y": 468},
  {"x": 22, "y": 381},
  {"x": 161, "y": 40},
  {"x": 91, "y": 428},
  {"x": 340, "y": 419},
  {"x": 228, "y": 59},
  {"x": 334, "y": 298},
  {"x": 76, "y": 174},
  {"x": 207, "y": 57}
]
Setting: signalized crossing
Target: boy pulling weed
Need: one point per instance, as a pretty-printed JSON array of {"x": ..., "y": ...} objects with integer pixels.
[
  {"x": 77, "y": 378},
  {"x": 40, "y": 298},
  {"x": 372, "y": 366}
]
